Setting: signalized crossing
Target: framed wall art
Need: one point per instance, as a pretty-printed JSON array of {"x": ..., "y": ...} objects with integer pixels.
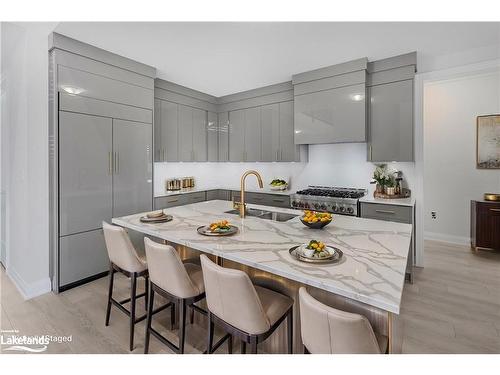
[{"x": 488, "y": 142}]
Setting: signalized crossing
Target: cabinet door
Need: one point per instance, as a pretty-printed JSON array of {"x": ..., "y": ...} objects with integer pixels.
[
  {"x": 212, "y": 137},
  {"x": 157, "y": 124},
  {"x": 237, "y": 135},
  {"x": 270, "y": 123},
  {"x": 223, "y": 133},
  {"x": 391, "y": 122},
  {"x": 331, "y": 116},
  {"x": 289, "y": 151},
  {"x": 185, "y": 133},
  {"x": 132, "y": 179},
  {"x": 169, "y": 131},
  {"x": 253, "y": 136},
  {"x": 199, "y": 143},
  {"x": 82, "y": 255},
  {"x": 85, "y": 195}
]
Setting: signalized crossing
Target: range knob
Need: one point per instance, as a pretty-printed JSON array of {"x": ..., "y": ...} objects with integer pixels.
[
  {"x": 294, "y": 204},
  {"x": 323, "y": 207},
  {"x": 350, "y": 210},
  {"x": 300, "y": 204},
  {"x": 335, "y": 208},
  {"x": 342, "y": 209},
  {"x": 316, "y": 206},
  {"x": 306, "y": 205}
]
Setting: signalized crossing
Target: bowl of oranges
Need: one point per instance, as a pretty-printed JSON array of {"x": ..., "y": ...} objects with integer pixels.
[{"x": 316, "y": 220}]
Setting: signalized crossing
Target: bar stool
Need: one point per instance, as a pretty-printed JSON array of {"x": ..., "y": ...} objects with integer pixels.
[
  {"x": 123, "y": 258},
  {"x": 326, "y": 330},
  {"x": 250, "y": 313},
  {"x": 181, "y": 283}
]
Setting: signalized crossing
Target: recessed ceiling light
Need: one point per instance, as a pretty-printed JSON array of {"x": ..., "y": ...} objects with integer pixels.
[
  {"x": 72, "y": 90},
  {"x": 357, "y": 97}
]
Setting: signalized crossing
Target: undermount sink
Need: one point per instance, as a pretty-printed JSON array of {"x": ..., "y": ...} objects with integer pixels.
[{"x": 263, "y": 214}]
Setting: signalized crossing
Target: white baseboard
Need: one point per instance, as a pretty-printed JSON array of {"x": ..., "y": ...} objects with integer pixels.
[
  {"x": 29, "y": 290},
  {"x": 447, "y": 238}
]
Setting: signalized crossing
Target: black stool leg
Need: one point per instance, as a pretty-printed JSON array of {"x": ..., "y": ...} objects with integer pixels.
[
  {"x": 243, "y": 347},
  {"x": 253, "y": 345},
  {"x": 191, "y": 315},
  {"x": 289, "y": 326},
  {"x": 172, "y": 316},
  {"x": 110, "y": 292},
  {"x": 182, "y": 325},
  {"x": 148, "y": 322},
  {"x": 230, "y": 344},
  {"x": 133, "y": 289},
  {"x": 146, "y": 291},
  {"x": 210, "y": 333}
]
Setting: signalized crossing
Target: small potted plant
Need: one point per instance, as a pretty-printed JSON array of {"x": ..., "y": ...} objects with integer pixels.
[
  {"x": 380, "y": 178},
  {"x": 390, "y": 185}
]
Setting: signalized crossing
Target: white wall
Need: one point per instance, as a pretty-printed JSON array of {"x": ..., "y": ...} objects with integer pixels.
[
  {"x": 451, "y": 179},
  {"x": 341, "y": 165},
  {"x": 25, "y": 153}
]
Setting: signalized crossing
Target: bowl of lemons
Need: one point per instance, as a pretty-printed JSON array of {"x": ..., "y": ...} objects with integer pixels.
[{"x": 316, "y": 220}]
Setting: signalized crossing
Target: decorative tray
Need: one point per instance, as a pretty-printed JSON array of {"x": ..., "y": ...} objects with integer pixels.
[
  {"x": 154, "y": 220},
  {"x": 205, "y": 231},
  {"x": 334, "y": 259}
]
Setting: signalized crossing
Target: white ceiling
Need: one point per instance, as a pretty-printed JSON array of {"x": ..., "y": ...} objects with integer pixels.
[{"x": 225, "y": 58}]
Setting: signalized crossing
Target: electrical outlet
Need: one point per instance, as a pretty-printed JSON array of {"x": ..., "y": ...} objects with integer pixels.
[{"x": 433, "y": 214}]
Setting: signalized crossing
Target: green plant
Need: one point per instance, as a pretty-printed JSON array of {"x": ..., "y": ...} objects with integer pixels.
[{"x": 380, "y": 174}]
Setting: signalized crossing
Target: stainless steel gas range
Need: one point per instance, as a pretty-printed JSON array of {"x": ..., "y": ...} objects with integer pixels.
[{"x": 331, "y": 199}]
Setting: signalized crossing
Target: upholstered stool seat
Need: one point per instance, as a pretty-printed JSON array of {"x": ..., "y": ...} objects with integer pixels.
[
  {"x": 326, "y": 330},
  {"x": 181, "y": 283},
  {"x": 250, "y": 313}
]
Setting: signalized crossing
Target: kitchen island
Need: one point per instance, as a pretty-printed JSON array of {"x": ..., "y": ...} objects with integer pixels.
[{"x": 369, "y": 279}]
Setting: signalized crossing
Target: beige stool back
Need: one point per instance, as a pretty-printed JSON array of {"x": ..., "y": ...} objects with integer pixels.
[
  {"x": 120, "y": 249},
  {"x": 231, "y": 296},
  {"x": 326, "y": 330},
  {"x": 167, "y": 270}
]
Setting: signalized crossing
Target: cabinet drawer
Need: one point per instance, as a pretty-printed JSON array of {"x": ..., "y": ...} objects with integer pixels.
[
  {"x": 170, "y": 201},
  {"x": 195, "y": 197},
  {"x": 277, "y": 200},
  {"x": 386, "y": 212}
]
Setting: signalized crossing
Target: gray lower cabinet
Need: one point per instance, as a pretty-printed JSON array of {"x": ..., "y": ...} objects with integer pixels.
[
  {"x": 218, "y": 194},
  {"x": 331, "y": 116},
  {"x": 132, "y": 177},
  {"x": 85, "y": 172},
  {"x": 82, "y": 255},
  {"x": 390, "y": 119},
  {"x": 264, "y": 199},
  {"x": 212, "y": 137},
  {"x": 397, "y": 213},
  {"x": 179, "y": 199}
]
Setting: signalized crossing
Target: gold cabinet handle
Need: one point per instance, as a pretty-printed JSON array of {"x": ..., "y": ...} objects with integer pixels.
[{"x": 385, "y": 212}]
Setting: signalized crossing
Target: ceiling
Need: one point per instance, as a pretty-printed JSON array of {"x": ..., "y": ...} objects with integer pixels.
[{"x": 225, "y": 58}]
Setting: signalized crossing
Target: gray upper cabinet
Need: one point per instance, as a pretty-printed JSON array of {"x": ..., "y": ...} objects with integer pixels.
[
  {"x": 158, "y": 151},
  {"x": 185, "y": 129},
  {"x": 85, "y": 172},
  {"x": 199, "y": 141},
  {"x": 391, "y": 122},
  {"x": 212, "y": 137},
  {"x": 390, "y": 111},
  {"x": 288, "y": 150},
  {"x": 132, "y": 179},
  {"x": 330, "y": 104},
  {"x": 237, "y": 135},
  {"x": 223, "y": 134},
  {"x": 270, "y": 123},
  {"x": 169, "y": 133},
  {"x": 252, "y": 135},
  {"x": 331, "y": 116}
]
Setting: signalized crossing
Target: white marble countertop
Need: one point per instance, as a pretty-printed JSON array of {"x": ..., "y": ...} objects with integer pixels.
[
  {"x": 265, "y": 190},
  {"x": 369, "y": 198},
  {"x": 375, "y": 252}
]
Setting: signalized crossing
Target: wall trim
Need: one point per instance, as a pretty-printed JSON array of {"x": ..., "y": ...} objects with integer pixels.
[
  {"x": 443, "y": 237},
  {"x": 30, "y": 290}
]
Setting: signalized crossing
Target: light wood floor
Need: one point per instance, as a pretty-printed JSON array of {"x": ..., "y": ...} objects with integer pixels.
[{"x": 452, "y": 307}]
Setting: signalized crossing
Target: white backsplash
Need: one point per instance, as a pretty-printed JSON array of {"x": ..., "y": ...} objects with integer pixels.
[{"x": 341, "y": 165}]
